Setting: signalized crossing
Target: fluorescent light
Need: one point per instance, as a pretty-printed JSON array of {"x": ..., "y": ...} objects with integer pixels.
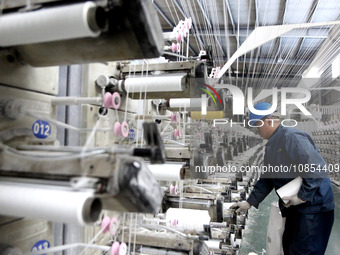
[
  {"x": 313, "y": 72},
  {"x": 336, "y": 68}
]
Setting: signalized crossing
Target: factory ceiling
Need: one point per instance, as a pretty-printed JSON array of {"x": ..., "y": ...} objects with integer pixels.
[{"x": 225, "y": 24}]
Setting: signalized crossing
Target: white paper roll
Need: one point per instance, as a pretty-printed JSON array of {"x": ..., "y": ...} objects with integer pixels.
[
  {"x": 213, "y": 244},
  {"x": 52, "y": 24},
  {"x": 187, "y": 219},
  {"x": 166, "y": 172},
  {"x": 179, "y": 102},
  {"x": 290, "y": 189},
  {"x": 159, "y": 83},
  {"x": 185, "y": 102},
  {"x": 49, "y": 204}
]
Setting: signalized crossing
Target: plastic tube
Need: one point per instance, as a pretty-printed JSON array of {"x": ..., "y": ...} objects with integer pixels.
[
  {"x": 54, "y": 157},
  {"x": 70, "y": 246},
  {"x": 157, "y": 83},
  {"x": 76, "y": 100},
  {"x": 167, "y": 172},
  {"x": 58, "y": 205},
  {"x": 49, "y": 24}
]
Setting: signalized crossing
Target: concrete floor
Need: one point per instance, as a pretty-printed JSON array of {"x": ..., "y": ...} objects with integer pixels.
[{"x": 255, "y": 235}]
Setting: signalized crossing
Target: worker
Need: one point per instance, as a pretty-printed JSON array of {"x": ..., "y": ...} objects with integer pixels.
[{"x": 310, "y": 213}]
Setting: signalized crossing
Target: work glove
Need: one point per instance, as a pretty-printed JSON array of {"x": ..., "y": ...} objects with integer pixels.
[
  {"x": 292, "y": 200},
  {"x": 241, "y": 206}
]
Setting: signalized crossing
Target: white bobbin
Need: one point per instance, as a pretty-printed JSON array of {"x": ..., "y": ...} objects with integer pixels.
[
  {"x": 105, "y": 226},
  {"x": 117, "y": 129},
  {"x": 107, "y": 100},
  {"x": 175, "y": 47},
  {"x": 179, "y": 37},
  {"x": 124, "y": 129},
  {"x": 176, "y": 189},
  {"x": 175, "y": 117},
  {"x": 116, "y": 100},
  {"x": 188, "y": 23},
  {"x": 123, "y": 249},
  {"x": 175, "y": 134},
  {"x": 115, "y": 248},
  {"x": 217, "y": 72},
  {"x": 174, "y": 222},
  {"x": 114, "y": 225}
]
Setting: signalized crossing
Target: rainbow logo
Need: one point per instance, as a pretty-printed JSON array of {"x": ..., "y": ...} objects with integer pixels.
[{"x": 209, "y": 93}]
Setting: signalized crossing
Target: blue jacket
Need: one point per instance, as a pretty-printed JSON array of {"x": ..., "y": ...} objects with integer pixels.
[{"x": 291, "y": 147}]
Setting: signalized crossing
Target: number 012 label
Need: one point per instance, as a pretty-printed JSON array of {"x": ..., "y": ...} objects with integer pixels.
[
  {"x": 40, "y": 246},
  {"x": 41, "y": 129}
]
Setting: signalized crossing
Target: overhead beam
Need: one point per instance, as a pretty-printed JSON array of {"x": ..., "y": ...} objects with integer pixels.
[
  {"x": 266, "y": 61},
  {"x": 179, "y": 7},
  {"x": 309, "y": 19},
  {"x": 313, "y": 33},
  {"x": 160, "y": 11},
  {"x": 210, "y": 25}
]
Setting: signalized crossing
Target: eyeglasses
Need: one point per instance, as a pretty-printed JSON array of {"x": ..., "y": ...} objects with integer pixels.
[{"x": 257, "y": 129}]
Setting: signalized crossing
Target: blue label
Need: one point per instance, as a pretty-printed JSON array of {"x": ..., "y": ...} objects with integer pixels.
[
  {"x": 41, "y": 129},
  {"x": 40, "y": 246},
  {"x": 132, "y": 134}
]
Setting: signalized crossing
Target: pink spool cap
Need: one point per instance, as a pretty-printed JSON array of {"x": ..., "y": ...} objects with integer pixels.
[
  {"x": 178, "y": 47},
  {"x": 172, "y": 189},
  {"x": 105, "y": 226},
  {"x": 184, "y": 31},
  {"x": 176, "y": 189},
  {"x": 179, "y": 37},
  {"x": 123, "y": 249},
  {"x": 188, "y": 23},
  {"x": 124, "y": 129},
  {"x": 217, "y": 72},
  {"x": 174, "y": 47},
  {"x": 178, "y": 133},
  {"x": 115, "y": 248},
  {"x": 174, "y": 222},
  {"x": 114, "y": 224},
  {"x": 175, "y": 117},
  {"x": 175, "y": 133},
  {"x": 116, "y": 100},
  {"x": 117, "y": 129},
  {"x": 107, "y": 100}
]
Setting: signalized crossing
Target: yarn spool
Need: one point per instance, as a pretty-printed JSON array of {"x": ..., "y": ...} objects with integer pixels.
[
  {"x": 173, "y": 189},
  {"x": 177, "y": 133},
  {"x": 115, "y": 248},
  {"x": 105, "y": 225},
  {"x": 175, "y": 47},
  {"x": 188, "y": 219},
  {"x": 107, "y": 100},
  {"x": 123, "y": 249},
  {"x": 124, "y": 129},
  {"x": 116, "y": 100},
  {"x": 112, "y": 100},
  {"x": 117, "y": 129},
  {"x": 175, "y": 117},
  {"x": 114, "y": 225}
]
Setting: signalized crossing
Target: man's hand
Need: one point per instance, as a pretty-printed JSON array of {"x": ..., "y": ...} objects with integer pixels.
[
  {"x": 292, "y": 200},
  {"x": 242, "y": 206}
]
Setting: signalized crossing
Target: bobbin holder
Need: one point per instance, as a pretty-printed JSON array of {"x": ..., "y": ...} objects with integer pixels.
[
  {"x": 154, "y": 145},
  {"x": 131, "y": 24},
  {"x": 133, "y": 186},
  {"x": 120, "y": 181}
]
